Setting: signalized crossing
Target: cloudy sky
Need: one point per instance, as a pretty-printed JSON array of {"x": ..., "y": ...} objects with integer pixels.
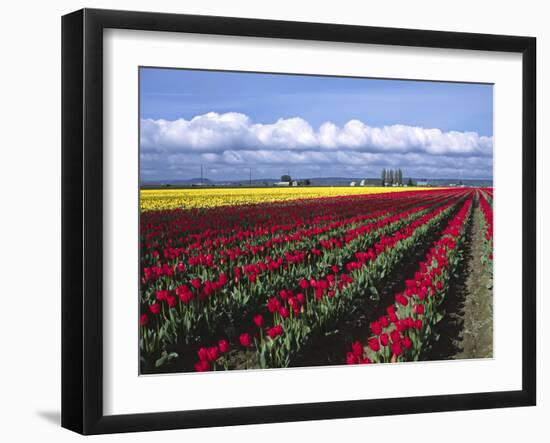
[{"x": 310, "y": 126}]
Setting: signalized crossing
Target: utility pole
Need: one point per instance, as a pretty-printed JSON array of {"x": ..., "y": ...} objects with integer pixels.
[{"x": 201, "y": 174}]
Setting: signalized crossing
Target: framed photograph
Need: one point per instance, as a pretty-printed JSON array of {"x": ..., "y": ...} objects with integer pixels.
[{"x": 269, "y": 221}]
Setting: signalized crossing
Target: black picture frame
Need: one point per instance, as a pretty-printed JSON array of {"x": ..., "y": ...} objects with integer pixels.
[{"x": 82, "y": 215}]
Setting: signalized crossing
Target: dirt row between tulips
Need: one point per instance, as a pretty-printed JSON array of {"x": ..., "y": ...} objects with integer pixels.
[{"x": 466, "y": 331}]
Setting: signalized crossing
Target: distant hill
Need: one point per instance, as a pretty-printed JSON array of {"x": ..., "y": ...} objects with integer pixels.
[
  {"x": 334, "y": 181},
  {"x": 314, "y": 181},
  {"x": 187, "y": 182},
  {"x": 479, "y": 182}
]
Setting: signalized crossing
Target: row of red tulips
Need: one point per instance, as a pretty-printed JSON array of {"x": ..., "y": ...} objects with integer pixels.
[
  {"x": 487, "y": 222},
  {"x": 406, "y": 328}
]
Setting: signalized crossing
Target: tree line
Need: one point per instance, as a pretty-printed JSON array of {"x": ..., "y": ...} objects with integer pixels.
[{"x": 390, "y": 177}]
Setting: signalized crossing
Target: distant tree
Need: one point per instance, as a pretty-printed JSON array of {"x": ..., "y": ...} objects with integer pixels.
[
  {"x": 410, "y": 182},
  {"x": 399, "y": 177},
  {"x": 391, "y": 179},
  {"x": 286, "y": 178},
  {"x": 383, "y": 177},
  {"x": 307, "y": 182}
]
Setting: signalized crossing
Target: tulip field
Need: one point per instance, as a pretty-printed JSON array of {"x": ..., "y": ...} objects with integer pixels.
[
  {"x": 270, "y": 278},
  {"x": 155, "y": 199}
]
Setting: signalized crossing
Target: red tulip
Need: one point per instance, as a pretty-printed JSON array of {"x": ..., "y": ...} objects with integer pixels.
[
  {"x": 283, "y": 312},
  {"x": 196, "y": 282},
  {"x": 351, "y": 359},
  {"x": 202, "y": 366},
  {"x": 401, "y": 299},
  {"x": 184, "y": 293},
  {"x": 245, "y": 339},
  {"x": 171, "y": 301},
  {"x": 273, "y": 304},
  {"x": 396, "y": 348},
  {"x": 376, "y": 328},
  {"x": 275, "y": 331},
  {"x": 161, "y": 295},
  {"x": 258, "y": 320},
  {"x": 237, "y": 273},
  {"x": 213, "y": 353},
  {"x": 223, "y": 346},
  {"x": 395, "y": 336},
  {"x": 223, "y": 279},
  {"x": 203, "y": 354},
  {"x": 357, "y": 348},
  {"x": 374, "y": 344}
]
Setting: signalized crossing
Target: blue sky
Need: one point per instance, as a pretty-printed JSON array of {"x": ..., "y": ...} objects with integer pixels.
[{"x": 316, "y": 126}]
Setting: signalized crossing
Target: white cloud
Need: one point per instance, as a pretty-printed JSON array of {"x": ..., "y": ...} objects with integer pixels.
[
  {"x": 227, "y": 145},
  {"x": 230, "y": 133}
]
